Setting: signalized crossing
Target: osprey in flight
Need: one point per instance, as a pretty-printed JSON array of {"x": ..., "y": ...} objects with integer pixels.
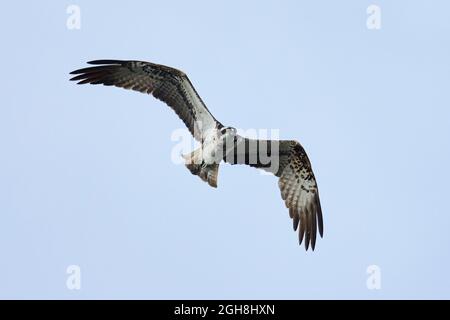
[{"x": 286, "y": 159}]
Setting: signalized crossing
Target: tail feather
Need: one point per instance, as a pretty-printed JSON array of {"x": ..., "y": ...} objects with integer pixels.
[{"x": 208, "y": 173}]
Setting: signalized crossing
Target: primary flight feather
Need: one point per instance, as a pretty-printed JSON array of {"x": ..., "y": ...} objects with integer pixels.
[{"x": 286, "y": 159}]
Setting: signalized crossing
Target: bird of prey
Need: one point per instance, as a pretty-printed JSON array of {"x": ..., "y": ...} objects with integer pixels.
[{"x": 286, "y": 159}]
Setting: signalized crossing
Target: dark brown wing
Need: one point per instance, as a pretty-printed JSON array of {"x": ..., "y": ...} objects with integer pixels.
[
  {"x": 167, "y": 84},
  {"x": 288, "y": 161},
  {"x": 300, "y": 193}
]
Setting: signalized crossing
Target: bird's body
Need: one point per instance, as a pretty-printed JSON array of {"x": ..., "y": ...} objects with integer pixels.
[
  {"x": 286, "y": 159},
  {"x": 212, "y": 146}
]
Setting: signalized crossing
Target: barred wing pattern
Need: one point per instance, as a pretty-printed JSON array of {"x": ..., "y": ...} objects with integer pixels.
[
  {"x": 296, "y": 180},
  {"x": 167, "y": 84}
]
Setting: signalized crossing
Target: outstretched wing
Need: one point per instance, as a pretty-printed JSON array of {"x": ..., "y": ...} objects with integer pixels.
[
  {"x": 288, "y": 161},
  {"x": 167, "y": 84}
]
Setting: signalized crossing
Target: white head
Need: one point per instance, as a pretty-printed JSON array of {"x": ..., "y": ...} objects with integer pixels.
[{"x": 228, "y": 132}]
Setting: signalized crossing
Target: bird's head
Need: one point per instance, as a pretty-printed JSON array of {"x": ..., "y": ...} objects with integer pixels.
[
  {"x": 228, "y": 134},
  {"x": 228, "y": 131}
]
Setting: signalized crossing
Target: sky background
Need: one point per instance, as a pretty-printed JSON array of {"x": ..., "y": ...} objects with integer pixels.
[{"x": 86, "y": 176}]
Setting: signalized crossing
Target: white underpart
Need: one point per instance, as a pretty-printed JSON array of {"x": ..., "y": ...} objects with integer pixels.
[{"x": 212, "y": 147}]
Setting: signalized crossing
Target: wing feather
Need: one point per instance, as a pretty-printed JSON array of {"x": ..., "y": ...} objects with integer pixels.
[
  {"x": 300, "y": 185},
  {"x": 297, "y": 183},
  {"x": 167, "y": 84}
]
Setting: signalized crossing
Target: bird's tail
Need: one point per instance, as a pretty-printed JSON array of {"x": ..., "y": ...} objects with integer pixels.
[{"x": 195, "y": 165}]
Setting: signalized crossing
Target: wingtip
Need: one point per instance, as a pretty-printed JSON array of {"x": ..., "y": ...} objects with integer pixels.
[
  {"x": 295, "y": 221},
  {"x": 105, "y": 61},
  {"x": 319, "y": 215},
  {"x": 77, "y": 77}
]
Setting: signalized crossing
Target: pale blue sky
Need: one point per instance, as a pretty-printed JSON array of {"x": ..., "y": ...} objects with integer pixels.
[{"x": 86, "y": 176}]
